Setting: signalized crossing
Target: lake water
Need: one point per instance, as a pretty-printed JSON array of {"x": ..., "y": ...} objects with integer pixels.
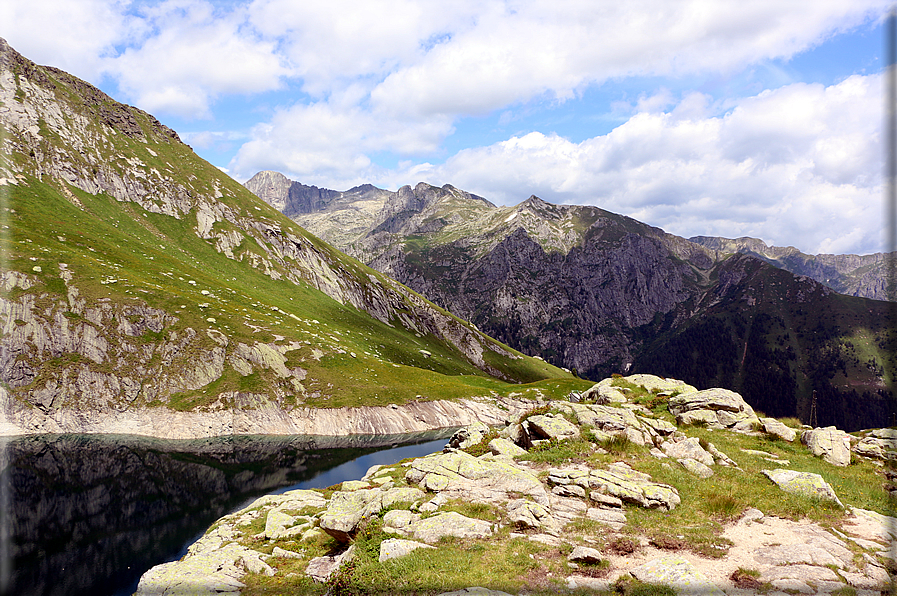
[{"x": 88, "y": 514}]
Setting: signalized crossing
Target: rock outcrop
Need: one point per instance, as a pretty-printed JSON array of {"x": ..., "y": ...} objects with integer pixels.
[{"x": 456, "y": 496}]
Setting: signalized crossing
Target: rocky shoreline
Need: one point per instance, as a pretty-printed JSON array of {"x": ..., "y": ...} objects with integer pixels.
[
  {"x": 576, "y": 517},
  {"x": 267, "y": 419}
]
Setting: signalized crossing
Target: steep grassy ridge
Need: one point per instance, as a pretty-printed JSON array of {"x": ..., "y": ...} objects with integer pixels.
[{"x": 138, "y": 275}]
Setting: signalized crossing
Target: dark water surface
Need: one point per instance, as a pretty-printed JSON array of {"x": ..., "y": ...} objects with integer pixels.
[{"x": 88, "y": 514}]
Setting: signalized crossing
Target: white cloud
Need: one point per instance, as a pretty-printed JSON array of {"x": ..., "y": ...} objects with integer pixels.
[
  {"x": 194, "y": 54},
  {"x": 73, "y": 36},
  {"x": 798, "y": 165},
  {"x": 518, "y": 51},
  {"x": 329, "y": 143}
]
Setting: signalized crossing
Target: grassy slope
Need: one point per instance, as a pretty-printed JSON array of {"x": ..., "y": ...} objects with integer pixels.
[{"x": 121, "y": 252}]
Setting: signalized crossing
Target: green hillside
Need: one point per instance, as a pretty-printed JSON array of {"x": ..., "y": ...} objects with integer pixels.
[{"x": 138, "y": 275}]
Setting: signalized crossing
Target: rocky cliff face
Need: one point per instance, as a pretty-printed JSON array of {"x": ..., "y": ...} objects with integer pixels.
[
  {"x": 601, "y": 293},
  {"x": 139, "y": 277},
  {"x": 854, "y": 275}
]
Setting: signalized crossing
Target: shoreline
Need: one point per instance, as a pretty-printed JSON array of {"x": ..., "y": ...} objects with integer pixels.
[{"x": 163, "y": 423}]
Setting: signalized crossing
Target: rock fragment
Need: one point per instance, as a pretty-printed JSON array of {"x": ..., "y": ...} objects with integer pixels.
[
  {"x": 803, "y": 483},
  {"x": 397, "y": 547}
]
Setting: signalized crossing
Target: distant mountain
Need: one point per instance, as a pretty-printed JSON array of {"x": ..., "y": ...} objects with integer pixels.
[
  {"x": 144, "y": 291},
  {"x": 854, "y": 275},
  {"x": 601, "y": 293}
]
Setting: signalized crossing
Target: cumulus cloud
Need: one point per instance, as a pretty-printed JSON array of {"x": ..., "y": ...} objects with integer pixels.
[
  {"x": 782, "y": 166},
  {"x": 330, "y": 144},
  {"x": 517, "y": 51},
  {"x": 193, "y": 54},
  {"x": 74, "y": 36}
]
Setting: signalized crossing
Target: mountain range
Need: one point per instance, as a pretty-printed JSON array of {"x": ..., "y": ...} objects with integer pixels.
[
  {"x": 146, "y": 292},
  {"x": 600, "y": 293}
]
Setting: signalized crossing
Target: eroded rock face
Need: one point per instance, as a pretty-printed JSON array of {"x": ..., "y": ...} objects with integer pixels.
[{"x": 550, "y": 427}]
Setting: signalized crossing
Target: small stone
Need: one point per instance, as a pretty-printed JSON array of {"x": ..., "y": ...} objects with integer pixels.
[
  {"x": 285, "y": 554},
  {"x": 586, "y": 555}
]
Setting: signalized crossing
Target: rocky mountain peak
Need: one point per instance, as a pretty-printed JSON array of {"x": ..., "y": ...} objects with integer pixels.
[{"x": 271, "y": 187}]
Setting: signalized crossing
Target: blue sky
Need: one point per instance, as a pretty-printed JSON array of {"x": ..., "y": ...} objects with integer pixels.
[{"x": 726, "y": 118}]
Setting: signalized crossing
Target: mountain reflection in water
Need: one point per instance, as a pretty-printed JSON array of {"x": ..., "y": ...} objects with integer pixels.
[{"x": 88, "y": 514}]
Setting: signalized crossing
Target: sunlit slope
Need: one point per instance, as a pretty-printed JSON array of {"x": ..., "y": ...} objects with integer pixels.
[{"x": 136, "y": 274}]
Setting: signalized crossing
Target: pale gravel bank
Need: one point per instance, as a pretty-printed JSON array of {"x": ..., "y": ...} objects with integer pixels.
[{"x": 267, "y": 419}]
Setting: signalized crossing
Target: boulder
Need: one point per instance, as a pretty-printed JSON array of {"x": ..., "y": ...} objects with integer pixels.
[
  {"x": 713, "y": 406},
  {"x": 321, "y": 568},
  {"x": 677, "y": 573},
  {"x": 720, "y": 458},
  {"x": 468, "y": 436},
  {"x": 397, "y": 547},
  {"x": 506, "y": 448},
  {"x": 803, "y": 483},
  {"x": 569, "y": 490},
  {"x": 831, "y": 444},
  {"x": 696, "y": 468},
  {"x": 699, "y": 417},
  {"x": 276, "y": 521},
  {"x": 687, "y": 449},
  {"x": 460, "y": 475},
  {"x": 659, "y": 384},
  {"x": 530, "y": 516},
  {"x": 610, "y": 420},
  {"x": 586, "y": 555},
  {"x": 550, "y": 427},
  {"x": 709, "y": 399},
  {"x": 774, "y": 428},
  {"x": 350, "y": 485},
  {"x": 658, "y": 426},
  {"x": 211, "y": 572},
  {"x": 603, "y": 393},
  {"x": 431, "y": 529},
  {"x": 346, "y": 510},
  {"x": 621, "y": 481}
]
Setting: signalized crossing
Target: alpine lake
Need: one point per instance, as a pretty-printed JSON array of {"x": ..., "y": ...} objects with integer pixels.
[{"x": 89, "y": 514}]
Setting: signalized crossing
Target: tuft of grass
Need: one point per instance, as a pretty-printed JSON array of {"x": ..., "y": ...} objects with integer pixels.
[
  {"x": 559, "y": 452},
  {"x": 618, "y": 445},
  {"x": 475, "y": 510},
  {"x": 746, "y": 579},
  {"x": 722, "y": 506},
  {"x": 634, "y": 587}
]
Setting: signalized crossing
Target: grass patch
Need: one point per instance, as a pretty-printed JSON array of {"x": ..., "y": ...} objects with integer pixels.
[
  {"x": 558, "y": 452},
  {"x": 634, "y": 587}
]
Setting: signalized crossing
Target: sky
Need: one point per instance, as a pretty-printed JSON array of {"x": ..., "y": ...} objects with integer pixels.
[{"x": 757, "y": 118}]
